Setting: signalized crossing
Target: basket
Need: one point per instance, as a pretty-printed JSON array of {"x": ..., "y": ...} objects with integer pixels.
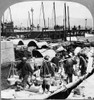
[{"x": 13, "y": 79}]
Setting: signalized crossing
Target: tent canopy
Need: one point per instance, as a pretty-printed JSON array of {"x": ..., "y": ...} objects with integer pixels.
[
  {"x": 32, "y": 43},
  {"x": 60, "y": 49},
  {"x": 20, "y": 43},
  {"x": 36, "y": 54},
  {"x": 26, "y": 42},
  {"x": 40, "y": 44},
  {"x": 51, "y": 53},
  {"x": 17, "y": 41}
]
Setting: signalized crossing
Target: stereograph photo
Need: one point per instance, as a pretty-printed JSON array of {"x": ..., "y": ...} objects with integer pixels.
[{"x": 47, "y": 49}]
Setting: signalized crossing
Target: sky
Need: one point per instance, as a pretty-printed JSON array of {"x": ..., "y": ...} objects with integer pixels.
[{"x": 20, "y": 11}]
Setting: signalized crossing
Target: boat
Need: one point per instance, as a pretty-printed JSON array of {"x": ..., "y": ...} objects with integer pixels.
[{"x": 64, "y": 93}]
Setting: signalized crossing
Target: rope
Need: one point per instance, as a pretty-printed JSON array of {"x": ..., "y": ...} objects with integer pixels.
[{"x": 12, "y": 69}]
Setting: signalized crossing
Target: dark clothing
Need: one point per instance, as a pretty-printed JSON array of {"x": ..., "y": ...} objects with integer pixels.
[
  {"x": 68, "y": 67},
  {"x": 83, "y": 65},
  {"x": 25, "y": 81},
  {"x": 84, "y": 56},
  {"x": 45, "y": 86},
  {"x": 69, "y": 78},
  {"x": 25, "y": 71},
  {"x": 25, "y": 68},
  {"x": 46, "y": 69},
  {"x": 56, "y": 60}
]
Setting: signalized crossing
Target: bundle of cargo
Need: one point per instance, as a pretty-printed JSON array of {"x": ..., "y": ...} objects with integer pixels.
[{"x": 60, "y": 49}]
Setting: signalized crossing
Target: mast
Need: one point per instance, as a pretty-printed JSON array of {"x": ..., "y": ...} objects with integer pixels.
[
  {"x": 43, "y": 15},
  {"x": 3, "y": 19},
  {"x": 65, "y": 21},
  {"x": 2, "y": 25},
  {"x": 32, "y": 17},
  {"x": 85, "y": 23},
  {"x": 54, "y": 13},
  {"x": 29, "y": 19},
  {"x": 10, "y": 14},
  {"x": 40, "y": 15},
  {"x": 68, "y": 17},
  {"x": 48, "y": 22},
  {"x": 68, "y": 21},
  {"x": 11, "y": 22},
  {"x": 65, "y": 15}
]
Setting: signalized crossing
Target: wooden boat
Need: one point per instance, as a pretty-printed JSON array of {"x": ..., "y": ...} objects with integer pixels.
[{"x": 64, "y": 93}]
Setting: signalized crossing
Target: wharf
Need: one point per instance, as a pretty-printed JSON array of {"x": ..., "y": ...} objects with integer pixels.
[{"x": 86, "y": 83}]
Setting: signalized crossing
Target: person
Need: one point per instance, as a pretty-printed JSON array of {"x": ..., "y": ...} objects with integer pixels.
[
  {"x": 46, "y": 71},
  {"x": 84, "y": 56},
  {"x": 82, "y": 64},
  {"x": 45, "y": 85},
  {"x": 25, "y": 72},
  {"x": 46, "y": 68},
  {"x": 68, "y": 68},
  {"x": 56, "y": 60}
]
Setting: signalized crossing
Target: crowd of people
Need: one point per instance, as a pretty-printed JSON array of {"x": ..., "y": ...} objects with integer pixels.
[{"x": 62, "y": 62}]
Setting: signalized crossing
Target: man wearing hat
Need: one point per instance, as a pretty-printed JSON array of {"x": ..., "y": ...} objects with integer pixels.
[
  {"x": 25, "y": 71},
  {"x": 56, "y": 60},
  {"x": 68, "y": 68},
  {"x": 46, "y": 71},
  {"x": 46, "y": 68}
]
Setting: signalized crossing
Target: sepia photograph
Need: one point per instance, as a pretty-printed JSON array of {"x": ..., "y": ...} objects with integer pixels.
[{"x": 47, "y": 49}]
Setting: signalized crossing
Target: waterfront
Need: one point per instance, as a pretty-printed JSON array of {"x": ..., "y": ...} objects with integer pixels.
[{"x": 55, "y": 31}]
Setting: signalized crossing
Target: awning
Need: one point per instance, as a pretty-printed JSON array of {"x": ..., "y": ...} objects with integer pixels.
[
  {"x": 40, "y": 44},
  {"x": 51, "y": 53},
  {"x": 17, "y": 42},
  {"x": 29, "y": 42},
  {"x": 60, "y": 49},
  {"x": 36, "y": 54}
]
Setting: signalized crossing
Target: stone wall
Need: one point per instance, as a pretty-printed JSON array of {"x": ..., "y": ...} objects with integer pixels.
[{"x": 7, "y": 52}]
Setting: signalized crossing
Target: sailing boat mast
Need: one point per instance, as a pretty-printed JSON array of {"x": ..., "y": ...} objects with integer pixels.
[
  {"x": 43, "y": 15},
  {"x": 29, "y": 20},
  {"x": 68, "y": 21},
  {"x": 65, "y": 21},
  {"x": 65, "y": 15},
  {"x": 48, "y": 22},
  {"x": 32, "y": 17},
  {"x": 3, "y": 19},
  {"x": 2, "y": 24},
  {"x": 11, "y": 22},
  {"x": 10, "y": 14},
  {"x": 54, "y": 13},
  {"x": 68, "y": 17}
]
